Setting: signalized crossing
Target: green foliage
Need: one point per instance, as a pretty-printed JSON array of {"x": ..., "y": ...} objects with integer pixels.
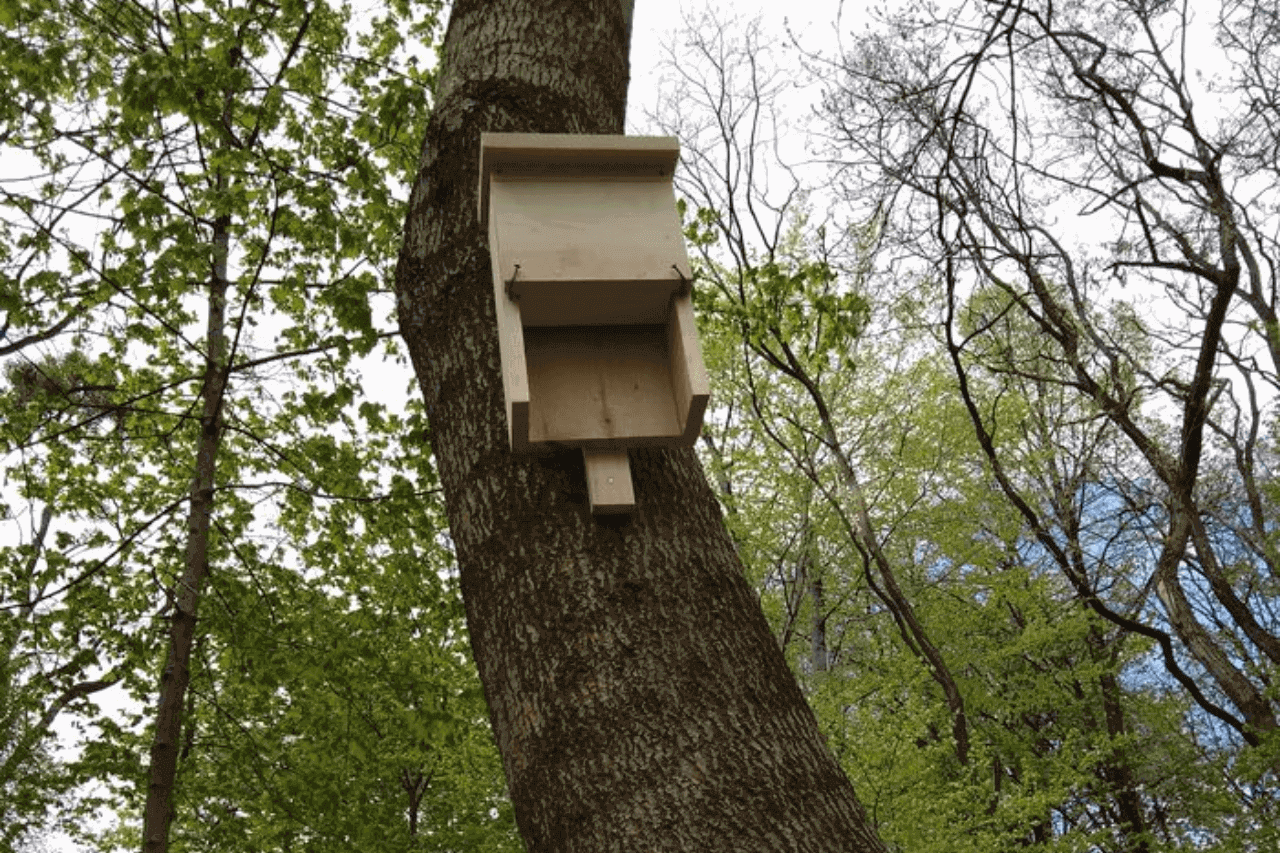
[
  {"x": 1072, "y": 729},
  {"x": 332, "y": 685},
  {"x": 1046, "y": 768},
  {"x": 29, "y": 780},
  {"x": 784, "y": 297}
]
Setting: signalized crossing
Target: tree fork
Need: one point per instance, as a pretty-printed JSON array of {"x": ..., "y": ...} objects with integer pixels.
[{"x": 637, "y": 696}]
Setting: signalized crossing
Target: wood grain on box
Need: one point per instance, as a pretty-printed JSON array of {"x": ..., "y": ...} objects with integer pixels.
[{"x": 591, "y": 286}]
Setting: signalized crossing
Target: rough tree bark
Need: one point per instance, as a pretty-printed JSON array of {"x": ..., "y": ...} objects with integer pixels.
[
  {"x": 636, "y": 694},
  {"x": 158, "y": 811}
]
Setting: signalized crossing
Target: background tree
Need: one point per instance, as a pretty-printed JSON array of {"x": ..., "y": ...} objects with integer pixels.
[
  {"x": 1158, "y": 333},
  {"x": 192, "y": 273},
  {"x": 1073, "y": 744}
]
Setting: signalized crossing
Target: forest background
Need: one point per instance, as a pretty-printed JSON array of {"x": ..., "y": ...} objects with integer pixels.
[{"x": 993, "y": 422}]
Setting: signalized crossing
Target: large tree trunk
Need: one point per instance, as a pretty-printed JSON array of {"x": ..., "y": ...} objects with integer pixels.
[{"x": 636, "y": 694}]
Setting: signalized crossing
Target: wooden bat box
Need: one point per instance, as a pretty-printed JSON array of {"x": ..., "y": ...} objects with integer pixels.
[{"x": 591, "y": 285}]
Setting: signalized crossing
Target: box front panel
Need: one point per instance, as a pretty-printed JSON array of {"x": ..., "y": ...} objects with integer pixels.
[
  {"x": 600, "y": 385},
  {"x": 576, "y": 229}
]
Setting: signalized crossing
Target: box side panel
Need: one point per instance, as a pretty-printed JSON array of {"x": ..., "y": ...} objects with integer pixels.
[
  {"x": 691, "y": 386},
  {"x": 515, "y": 372}
]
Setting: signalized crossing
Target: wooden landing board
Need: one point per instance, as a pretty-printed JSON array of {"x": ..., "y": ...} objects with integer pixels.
[{"x": 609, "y": 482}]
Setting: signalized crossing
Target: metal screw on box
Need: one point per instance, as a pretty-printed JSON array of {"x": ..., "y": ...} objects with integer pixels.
[{"x": 595, "y": 321}]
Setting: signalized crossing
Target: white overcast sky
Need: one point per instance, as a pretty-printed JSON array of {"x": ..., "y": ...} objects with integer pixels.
[{"x": 656, "y": 21}]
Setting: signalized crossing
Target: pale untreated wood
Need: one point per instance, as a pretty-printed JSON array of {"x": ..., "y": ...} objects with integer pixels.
[
  {"x": 588, "y": 250},
  {"x": 591, "y": 287},
  {"x": 600, "y": 386},
  {"x": 515, "y": 372},
  {"x": 529, "y": 154},
  {"x": 609, "y": 481},
  {"x": 606, "y": 387},
  {"x": 690, "y": 383}
]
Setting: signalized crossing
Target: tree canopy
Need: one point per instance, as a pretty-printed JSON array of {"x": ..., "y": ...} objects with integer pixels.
[
  {"x": 195, "y": 291},
  {"x": 1010, "y": 369},
  {"x": 993, "y": 433}
]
